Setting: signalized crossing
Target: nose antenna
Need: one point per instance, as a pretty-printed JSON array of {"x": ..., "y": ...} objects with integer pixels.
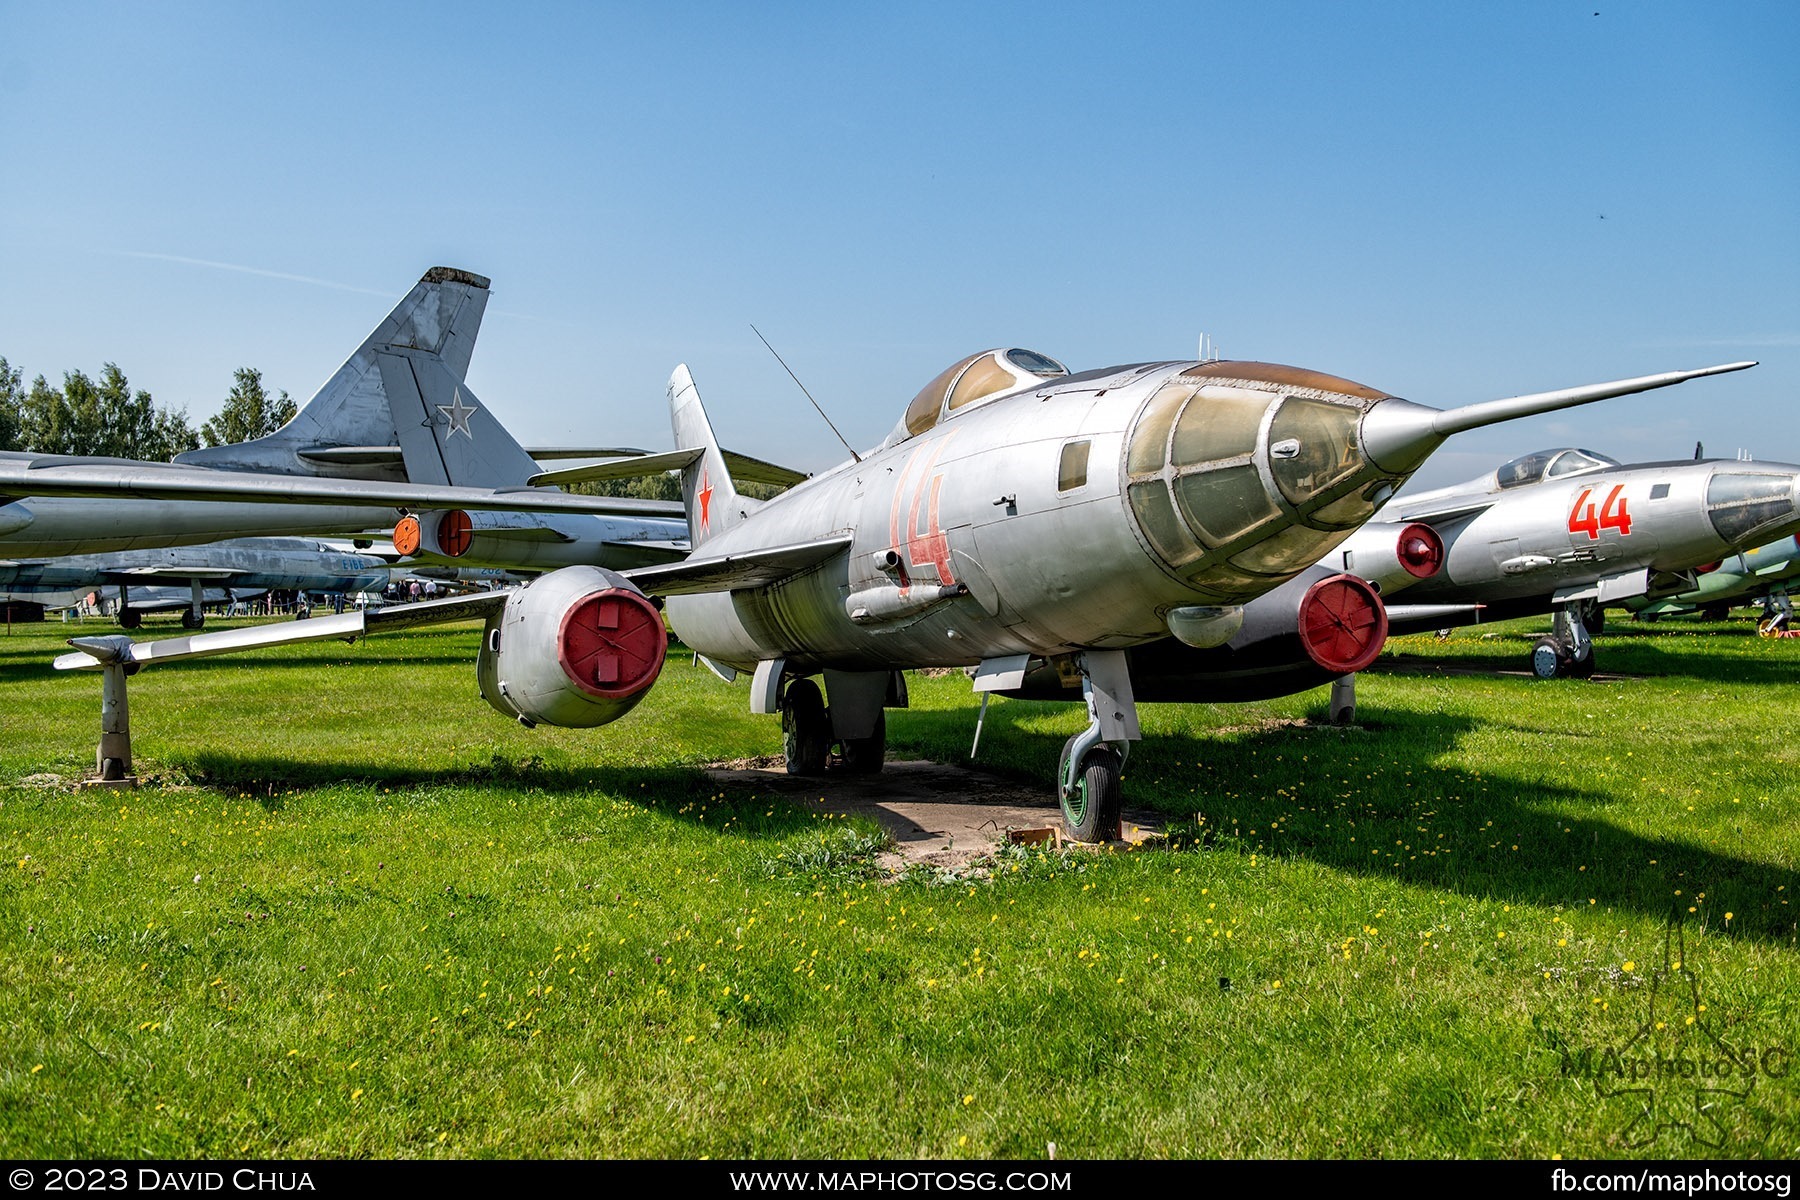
[{"x": 1398, "y": 435}]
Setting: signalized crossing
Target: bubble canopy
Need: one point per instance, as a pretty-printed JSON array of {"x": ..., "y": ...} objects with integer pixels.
[
  {"x": 974, "y": 379},
  {"x": 1548, "y": 464}
]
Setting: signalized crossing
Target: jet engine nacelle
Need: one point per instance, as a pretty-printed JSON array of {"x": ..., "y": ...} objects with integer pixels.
[
  {"x": 444, "y": 534},
  {"x": 1316, "y": 627},
  {"x": 578, "y": 647},
  {"x": 1390, "y": 555}
]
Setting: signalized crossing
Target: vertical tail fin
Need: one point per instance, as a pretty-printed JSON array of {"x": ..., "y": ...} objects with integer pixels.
[
  {"x": 444, "y": 433},
  {"x": 712, "y": 499},
  {"x": 348, "y": 429}
]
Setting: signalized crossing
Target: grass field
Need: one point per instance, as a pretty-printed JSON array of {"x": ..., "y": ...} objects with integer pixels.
[{"x": 355, "y": 913}]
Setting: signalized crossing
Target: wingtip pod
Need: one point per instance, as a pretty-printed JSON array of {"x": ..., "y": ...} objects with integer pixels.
[{"x": 1398, "y": 435}]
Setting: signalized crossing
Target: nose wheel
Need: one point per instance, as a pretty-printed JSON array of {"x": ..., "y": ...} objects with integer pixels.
[
  {"x": 1568, "y": 653},
  {"x": 1093, "y": 761},
  {"x": 1089, "y": 791}
]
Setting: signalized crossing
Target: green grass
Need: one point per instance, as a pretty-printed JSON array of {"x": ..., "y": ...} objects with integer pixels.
[{"x": 356, "y": 913}]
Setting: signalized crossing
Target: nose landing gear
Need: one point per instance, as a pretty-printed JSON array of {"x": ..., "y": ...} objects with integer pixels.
[
  {"x": 1569, "y": 651},
  {"x": 1093, "y": 761}
]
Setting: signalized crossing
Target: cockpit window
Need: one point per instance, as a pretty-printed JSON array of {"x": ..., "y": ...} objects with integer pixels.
[
  {"x": 1530, "y": 468},
  {"x": 1037, "y": 364},
  {"x": 1571, "y": 462},
  {"x": 985, "y": 376},
  {"x": 976, "y": 378}
]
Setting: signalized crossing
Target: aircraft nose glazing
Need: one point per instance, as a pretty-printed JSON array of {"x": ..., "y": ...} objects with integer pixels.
[
  {"x": 1240, "y": 475},
  {"x": 1753, "y": 502}
]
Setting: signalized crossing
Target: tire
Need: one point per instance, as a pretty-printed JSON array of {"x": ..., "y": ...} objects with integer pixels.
[
  {"x": 865, "y": 756},
  {"x": 805, "y": 729},
  {"x": 130, "y": 618},
  {"x": 192, "y": 620},
  {"x": 1715, "y": 612},
  {"x": 1549, "y": 659},
  {"x": 1091, "y": 811}
]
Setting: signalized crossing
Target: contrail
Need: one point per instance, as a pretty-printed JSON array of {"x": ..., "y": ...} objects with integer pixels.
[{"x": 225, "y": 266}]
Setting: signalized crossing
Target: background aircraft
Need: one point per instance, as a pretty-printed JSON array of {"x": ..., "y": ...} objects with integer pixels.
[
  {"x": 333, "y": 468},
  {"x": 1764, "y": 572},
  {"x": 257, "y": 564},
  {"x": 1570, "y": 531},
  {"x": 1016, "y": 515}
]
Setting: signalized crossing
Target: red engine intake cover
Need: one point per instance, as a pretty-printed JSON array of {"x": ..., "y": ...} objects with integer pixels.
[
  {"x": 453, "y": 533},
  {"x": 611, "y": 643},
  {"x": 1421, "y": 550},
  {"x": 1343, "y": 625},
  {"x": 406, "y": 534}
]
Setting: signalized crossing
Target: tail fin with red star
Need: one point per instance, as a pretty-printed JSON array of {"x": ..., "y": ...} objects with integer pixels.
[{"x": 713, "y": 503}]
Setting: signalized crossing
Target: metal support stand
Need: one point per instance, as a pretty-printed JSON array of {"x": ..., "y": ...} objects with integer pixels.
[
  {"x": 1343, "y": 700},
  {"x": 113, "y": 758}
]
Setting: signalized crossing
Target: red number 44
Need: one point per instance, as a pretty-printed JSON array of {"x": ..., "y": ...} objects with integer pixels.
[{"x": 1612, "y": 515}]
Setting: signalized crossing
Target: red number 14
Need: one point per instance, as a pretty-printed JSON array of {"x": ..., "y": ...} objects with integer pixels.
[{"x": 1612, "y": 515}]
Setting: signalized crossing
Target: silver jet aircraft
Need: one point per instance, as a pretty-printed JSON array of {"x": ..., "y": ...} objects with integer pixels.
[
  {"x": 1572, "y": 532},
  {"x": 260, "y": 564},
  {"x": 1017, "y": 515}
]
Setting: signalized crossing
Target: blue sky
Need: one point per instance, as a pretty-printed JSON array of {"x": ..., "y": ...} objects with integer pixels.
[{"x": 1451, "y": 202}]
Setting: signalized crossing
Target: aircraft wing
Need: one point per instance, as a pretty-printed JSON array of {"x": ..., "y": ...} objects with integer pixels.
[
  {"x": 732, "y": 572},
  {"x": 1442, "y": 513},
  {"x": 178, "y": 574},
  {"x": 96, "y": 652},
  {"x": 742, "y": 466},
  {"x": 155, "y": 482}
]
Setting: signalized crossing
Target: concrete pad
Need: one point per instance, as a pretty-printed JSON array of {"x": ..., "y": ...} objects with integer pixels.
[{"x": 937, "y": 815}]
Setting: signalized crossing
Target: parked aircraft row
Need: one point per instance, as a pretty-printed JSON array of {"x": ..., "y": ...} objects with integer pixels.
[{"x": 1164, "y": 530}]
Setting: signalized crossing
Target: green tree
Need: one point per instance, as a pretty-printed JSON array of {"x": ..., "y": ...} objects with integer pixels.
[
  {"x": 248, "y": 413},
  {"x": 12, "y": 406},
  {"x": 101, "y": 417}
]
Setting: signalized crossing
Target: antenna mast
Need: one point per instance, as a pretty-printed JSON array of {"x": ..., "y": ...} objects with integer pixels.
[{"x": 840, "y": 437}]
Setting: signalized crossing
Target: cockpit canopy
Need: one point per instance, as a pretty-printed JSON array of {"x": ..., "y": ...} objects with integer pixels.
[
  {"x": 974, "y": 379},
  {"x": 1549, "y": 464}
]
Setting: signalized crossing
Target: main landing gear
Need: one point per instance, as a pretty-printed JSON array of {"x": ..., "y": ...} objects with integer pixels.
[
  {"x": 1093, "y": 761},
  {"x": 1569, "y": 651},
  {"x": 809, "y": 732}
]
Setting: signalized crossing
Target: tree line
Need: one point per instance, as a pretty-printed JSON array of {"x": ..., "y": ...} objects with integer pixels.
[{"x": 104, "y": 417}]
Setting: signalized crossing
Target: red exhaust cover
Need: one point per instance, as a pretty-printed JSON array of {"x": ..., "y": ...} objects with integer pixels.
[
  {"x": 1421, "y": 550},
  {"x": 611, "y": 643},
  {"x": 453, "y": 533},
  {"x": 1343, "y": 625}
]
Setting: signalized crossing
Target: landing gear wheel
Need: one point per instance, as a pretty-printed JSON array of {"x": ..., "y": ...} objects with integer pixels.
[
  {"x": 1582, "y": 666},
  {"x": 1715, "y": 612},
  {"x": 303, "y": 613},
  {"x": 865, "y": 756},
  {"x": 1550, "y": 658},
  {"x": 192, "y": 620},
  {"x": 805, "y": 729},
  {"x": 1091, "y": 809},
  {"x": 130, "y": 618}
]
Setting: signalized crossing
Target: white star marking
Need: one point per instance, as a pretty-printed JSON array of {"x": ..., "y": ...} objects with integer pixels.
[{"x": 458, "y": 414}]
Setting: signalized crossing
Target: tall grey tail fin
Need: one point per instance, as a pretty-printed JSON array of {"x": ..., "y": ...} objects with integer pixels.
[
  {"x": 712, "y": 499},
  {"x": 348, "y": 428}
]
